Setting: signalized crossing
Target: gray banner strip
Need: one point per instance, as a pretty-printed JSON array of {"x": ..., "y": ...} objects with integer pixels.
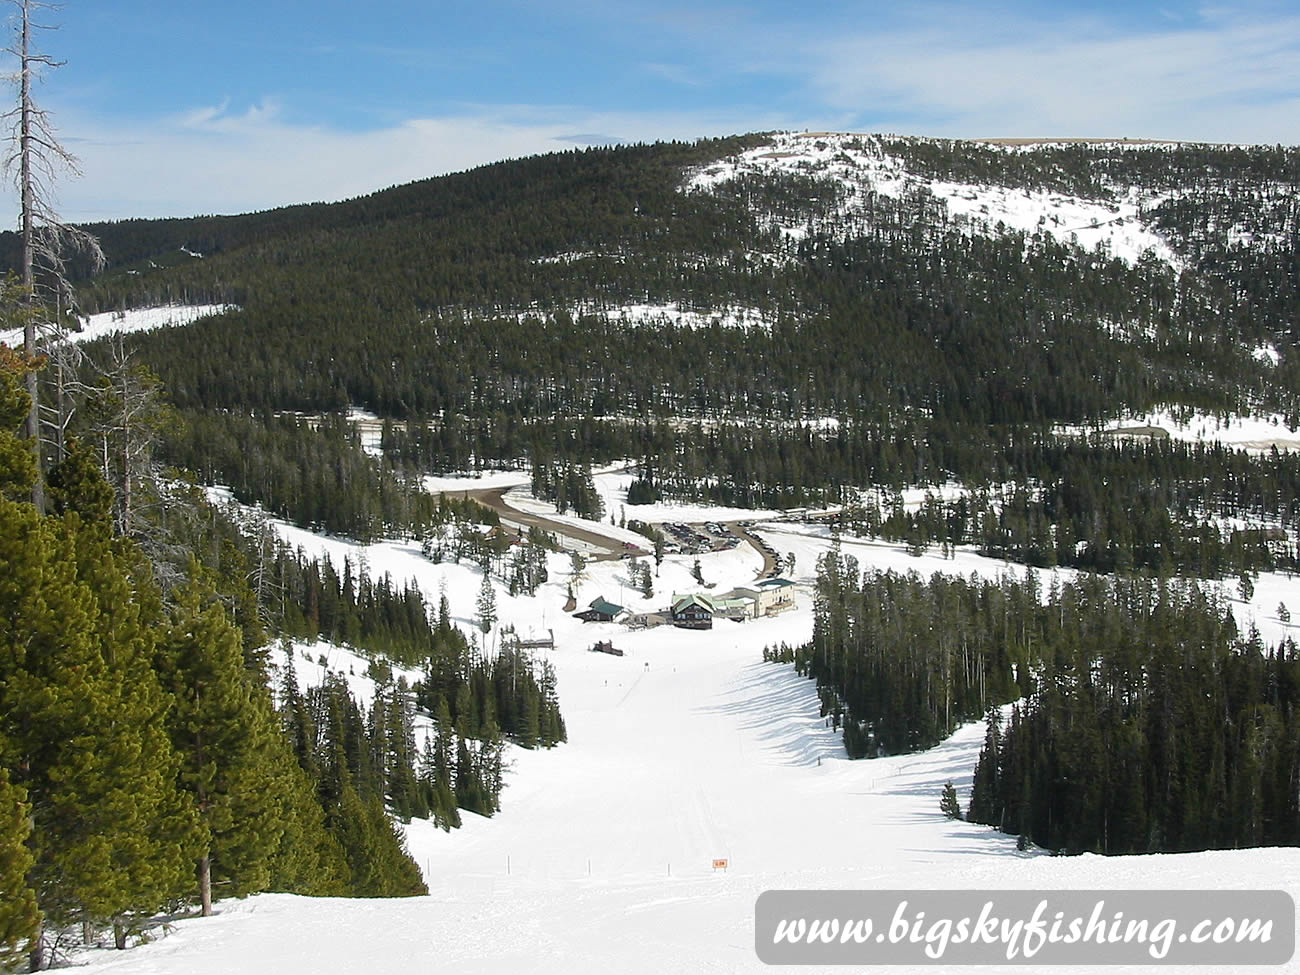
[{"x": 1025, "y": 927}]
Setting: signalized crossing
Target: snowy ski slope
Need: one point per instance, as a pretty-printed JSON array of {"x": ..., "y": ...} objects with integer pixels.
[{"x": 686, "y": 750}]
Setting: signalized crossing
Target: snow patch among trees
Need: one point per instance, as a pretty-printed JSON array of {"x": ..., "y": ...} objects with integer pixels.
[
  {"x": 132, "y": 320},
  {"x": 862, "y": 168}
]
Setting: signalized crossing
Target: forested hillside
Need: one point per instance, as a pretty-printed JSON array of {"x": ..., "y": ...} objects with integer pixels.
[
  {"x": 156, "y": 749},
  {"x": 767, "y": 321},
  {"x": 505, "y": 289},
  {"x": 763, "y": 321}
]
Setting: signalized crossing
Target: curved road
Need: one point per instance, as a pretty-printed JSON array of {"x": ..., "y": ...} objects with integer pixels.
[
  {"x": 494, "y": 498},
  {"x": 606, "y": 547},
  {"x": 770, "y": 567}
]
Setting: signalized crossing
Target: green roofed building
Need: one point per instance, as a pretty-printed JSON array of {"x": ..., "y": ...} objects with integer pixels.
[
  {"x": 693, "y": 612},
  {"x": 601, "y": 610},
  {"x": 735, "y": 607},
  {"x": 774, "y": 596}
]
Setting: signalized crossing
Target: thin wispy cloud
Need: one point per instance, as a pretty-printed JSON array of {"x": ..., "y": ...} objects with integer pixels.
[
  {"x": 206, "y": 162},
  {"x": 217, "y": 118},
  {"x": 676, "y": 73},
  {"x": 1198, "y": 83}
]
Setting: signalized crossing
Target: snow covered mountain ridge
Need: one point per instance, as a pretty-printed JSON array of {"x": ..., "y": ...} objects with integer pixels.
[{"x": 863, "y": 167}]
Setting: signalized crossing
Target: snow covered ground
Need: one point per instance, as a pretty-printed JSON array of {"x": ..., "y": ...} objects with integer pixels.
[
  {"x": 134, "y": 320},
  {"x": 861, "y": 166},
  {"x": 475, "y": 481},
  {"x": 612, "y": 488},
  {"x": 370, "y": 428},
  {"x": 670, "y": 313},
  {"x": 686, "y": 750},
  {"x": 1257, "y": 433}
]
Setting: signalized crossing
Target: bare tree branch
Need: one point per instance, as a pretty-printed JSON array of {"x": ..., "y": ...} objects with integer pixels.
[{"x": 36, "y": 158}]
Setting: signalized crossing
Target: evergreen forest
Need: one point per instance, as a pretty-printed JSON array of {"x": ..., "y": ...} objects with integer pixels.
[
  {"x": 1143, "y": 721},
  {"x": 807, "y": 339},
  {"x": 157, "y": 750},
  {"x": 482, "y": 316}
]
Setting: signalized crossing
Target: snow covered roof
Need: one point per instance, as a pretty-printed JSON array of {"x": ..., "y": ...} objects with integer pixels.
[{"x": 681, "y": 603}]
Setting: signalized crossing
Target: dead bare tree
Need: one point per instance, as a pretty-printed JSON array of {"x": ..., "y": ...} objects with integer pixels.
[
  {"x": 125, "y": 414},
  {"x": 35, "y": 158}
]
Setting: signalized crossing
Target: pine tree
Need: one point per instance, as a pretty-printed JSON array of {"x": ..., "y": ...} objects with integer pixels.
[
  {"x": 80, "y": 716},
  {"x": 223, "y": 729},
  {"x": 296, "y": 717},
  {"x": 552, "y": 724},
  {"x": 20, "y": 920},
  {"x": 469, "y": 784},
  {"x": 373, "y": 852},
  {"x": 948, "y": 804},
  {"x": 985, "y": 793},
  {"x": 437, "y": 769},
  {"x": 17, "y": 460},
  {"x": 404, "y": 793},
  {"x": 398, "y": 875},
  {"x": 309, "y": 859},
  {"x": 487, "y": 605},
  {"x": 76, "y": 484},
  {"x": 530, "y": 715},
  {"x": 352, "y": 823},
  {"x": 112, "y": 835}
]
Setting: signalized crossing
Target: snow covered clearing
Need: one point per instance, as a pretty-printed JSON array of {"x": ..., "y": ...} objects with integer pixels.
[
  {"x": 567, "y": 258},
  {"x": 313, "y": 660},
  {"x": 613, "y": 487},
  {"x": 669, "y": 313},
  {"x": 686, "y": 750},
  {"x": 1257, "y": 433},
  {"x": 861, "y": 166},
  {"x": 809, "y": 541},
  {"x": 733, "y": 316},
  {"x": 475, "y": 481},
  {"x": 135, "y": 320},
  {"x": 521, "y": 499}
]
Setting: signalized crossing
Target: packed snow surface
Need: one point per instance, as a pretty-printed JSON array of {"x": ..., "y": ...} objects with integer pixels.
[
  {"x": 124, "y": 322},
  {"x": 687, "y": 750}
]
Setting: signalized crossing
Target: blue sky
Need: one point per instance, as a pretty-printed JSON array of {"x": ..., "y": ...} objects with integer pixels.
[{"x": 177, "y": 107}]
